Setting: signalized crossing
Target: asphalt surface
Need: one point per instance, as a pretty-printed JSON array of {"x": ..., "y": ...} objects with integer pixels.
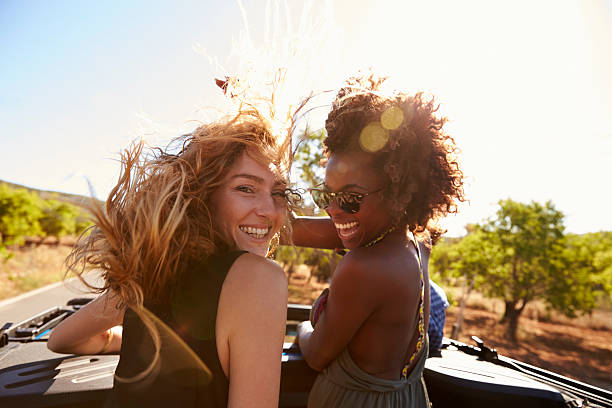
[{"x": 24, "y": 306}]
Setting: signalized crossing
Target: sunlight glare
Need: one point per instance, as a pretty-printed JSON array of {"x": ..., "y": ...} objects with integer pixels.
[
  {"x": 392, "y": 118},
  {"x": 373, "y": 137}
]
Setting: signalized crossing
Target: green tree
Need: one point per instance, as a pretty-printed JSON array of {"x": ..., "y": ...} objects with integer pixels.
[
  {"x": 588, "y": 262},
  {"x": 602, "y": 263},
  {"x": 522, "y": 254},
  {"x": 289, "y": 256},
  {"x": 443, "y": 254},
  {"x": 309, "y": 162},
  {"x": 58, "y": 219},
  {"x": 530, "y": 260},
  {"x": 309, "y": 158},
  {"x": 82, "y": 222},
  {"x": 19, "y": 215},
  {"x": 472, "y": 258},
  {"x": 322, "y": 263}
]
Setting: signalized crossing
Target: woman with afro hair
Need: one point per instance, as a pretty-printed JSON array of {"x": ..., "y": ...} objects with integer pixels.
[{"x": 391, "y": 174}]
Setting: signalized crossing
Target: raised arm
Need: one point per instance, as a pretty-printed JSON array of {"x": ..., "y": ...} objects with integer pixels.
[
  {"x": 90, "y": 330},
  {"x": 314, "y": 232},
  {"x": 351, "y": 301},
  {"x": 250, "y": 330}
]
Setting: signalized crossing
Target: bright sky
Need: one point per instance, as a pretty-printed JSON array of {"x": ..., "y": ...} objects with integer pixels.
[{"x": 526, "y": 85}]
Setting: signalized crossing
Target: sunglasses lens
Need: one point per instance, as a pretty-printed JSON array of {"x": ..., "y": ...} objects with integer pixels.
[
  {"x": 349, "y": 203},
  {"x": 320, "y": 198}
]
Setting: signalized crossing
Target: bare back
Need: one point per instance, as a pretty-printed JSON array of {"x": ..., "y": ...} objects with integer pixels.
[
  {"x": 372, "y": 308},
  {"x": 387, "y": 338}
]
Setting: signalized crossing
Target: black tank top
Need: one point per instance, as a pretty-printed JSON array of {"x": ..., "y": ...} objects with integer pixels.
[{"x": 191, "y": 313}]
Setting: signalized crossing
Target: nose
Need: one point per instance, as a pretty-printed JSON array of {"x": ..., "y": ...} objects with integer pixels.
[{"x": 266, "y": 206}]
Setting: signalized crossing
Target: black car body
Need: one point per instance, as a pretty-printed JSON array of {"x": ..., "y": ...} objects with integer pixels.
[{"x": 463, "y": 376}]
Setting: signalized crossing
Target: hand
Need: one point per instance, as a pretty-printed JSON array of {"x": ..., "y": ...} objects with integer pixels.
[{"x": 303, "y": 329}]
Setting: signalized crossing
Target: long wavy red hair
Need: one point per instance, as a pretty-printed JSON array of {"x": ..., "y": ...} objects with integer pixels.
[{"x": 157, "y": 219}]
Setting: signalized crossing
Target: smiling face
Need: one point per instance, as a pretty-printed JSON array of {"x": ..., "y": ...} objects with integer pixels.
[
  {"x": 250, "y": 206},
  {"x": 355, "y": 172}
]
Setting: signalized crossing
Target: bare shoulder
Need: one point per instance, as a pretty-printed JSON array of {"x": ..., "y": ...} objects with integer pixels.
[
  {"x": 354, "y": 265},
  {"x": 380, "y": 264},
  {"x": 257, "y": 269},
  {"x": 254, "y": 274},
  {"x": 255, "y": 289}
]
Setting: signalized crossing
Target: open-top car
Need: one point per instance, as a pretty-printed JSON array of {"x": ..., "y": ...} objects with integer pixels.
[{"x": 463, "y": 376}]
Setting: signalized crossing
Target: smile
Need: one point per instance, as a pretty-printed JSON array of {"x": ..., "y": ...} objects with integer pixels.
[
  {"x": 347, "y": 225},
  {"x": 258, "y": 233},
  {"x": 347, "y": 230}
]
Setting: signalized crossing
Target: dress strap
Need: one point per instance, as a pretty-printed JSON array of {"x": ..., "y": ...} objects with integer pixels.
[
  {"x": 420, "y": 312},
  {"x": 416, "y": 246}
]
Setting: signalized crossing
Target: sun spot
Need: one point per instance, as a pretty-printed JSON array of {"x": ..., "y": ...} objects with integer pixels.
[
  {"x": 392, "y": 118},
  {"x": 342, "y": 167},
  {"x": 373, "y": 137}
]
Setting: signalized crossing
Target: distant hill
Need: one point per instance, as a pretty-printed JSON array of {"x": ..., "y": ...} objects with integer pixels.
[{"x": 55, "y": 195}]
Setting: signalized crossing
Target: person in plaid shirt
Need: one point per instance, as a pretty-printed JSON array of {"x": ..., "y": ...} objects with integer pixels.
[{"x": 437, "y": 318}]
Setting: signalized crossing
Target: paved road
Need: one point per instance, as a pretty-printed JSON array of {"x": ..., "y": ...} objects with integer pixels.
[{"x": 19, "y": 308}]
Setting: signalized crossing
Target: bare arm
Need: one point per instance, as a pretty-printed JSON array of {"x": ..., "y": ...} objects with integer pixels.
[
  {"x": 315, "y": 232},
  {"x": 351, "y": 301},
  {"x": 251, "y": 328},
  {"x": 87, "y": 330}
]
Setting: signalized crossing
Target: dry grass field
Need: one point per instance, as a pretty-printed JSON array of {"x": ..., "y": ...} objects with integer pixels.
[
  {"x": 580, "y": 348},
  {"x": 32, "y": 267}
]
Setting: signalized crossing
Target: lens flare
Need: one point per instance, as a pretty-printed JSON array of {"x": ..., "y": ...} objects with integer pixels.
[
  {"x": 342, "y": 167},
  {"x": 392, "y": 118},
  {"x": 373, "y": 137}
]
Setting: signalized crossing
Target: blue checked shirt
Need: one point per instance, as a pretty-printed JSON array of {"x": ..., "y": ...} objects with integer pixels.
[{"x": 437, "y": 316}]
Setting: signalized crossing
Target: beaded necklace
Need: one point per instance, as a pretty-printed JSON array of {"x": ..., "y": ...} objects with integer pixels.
[{"x": 380, "y": 237}]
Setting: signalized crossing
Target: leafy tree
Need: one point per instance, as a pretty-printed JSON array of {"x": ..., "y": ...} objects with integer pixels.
[
  {"x": 522, "y": 254},
  {"x": 19, "y": 215},
  {"x": 466, "y": 260},
  {"x": 309, "y": 162},
  {"x": 82, "y": 221},
  {"x": 58, "y": 219},
  {"x": 588, "y": 260},
  {"x": 322, "y": 263},
  {"x": 309, "y": 158},
  {"x": 443, "y": 254},
  {"x": 530, "y": 262},
  {"x": 290, "y": 256},
  {"x": 473, "y": 257},
  {"x": 603, "y": 264}
]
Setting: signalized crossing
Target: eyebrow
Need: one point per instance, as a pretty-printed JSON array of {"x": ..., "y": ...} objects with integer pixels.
[
  {"x": 257, "y": 179},
  {"x": 249, "y": 176}
]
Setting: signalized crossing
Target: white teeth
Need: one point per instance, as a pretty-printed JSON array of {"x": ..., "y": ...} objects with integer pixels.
[
  {"x": 348, "y": 225},
  {"x": 255, "y": 232}
]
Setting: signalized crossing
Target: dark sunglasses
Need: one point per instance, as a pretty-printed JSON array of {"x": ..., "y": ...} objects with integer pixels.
[{"x": 349, "y": 202}]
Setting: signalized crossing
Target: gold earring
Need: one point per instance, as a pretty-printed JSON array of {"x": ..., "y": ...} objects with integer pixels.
[{"x": 273, "y": 245}]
